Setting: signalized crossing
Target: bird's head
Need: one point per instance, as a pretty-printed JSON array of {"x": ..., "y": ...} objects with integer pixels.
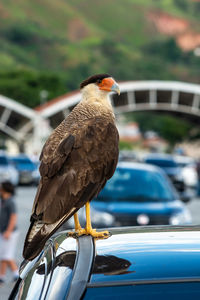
[{"x": 102, "y": 82}]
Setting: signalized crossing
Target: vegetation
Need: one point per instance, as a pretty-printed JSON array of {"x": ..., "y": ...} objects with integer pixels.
[
  {"x": 75, "y": 38},
  {"x": 28, "y": 86},
  {"x": 123, "y": 145},
  {"x": 52, "y": 45},
  {"x": 170, "y": 128}
]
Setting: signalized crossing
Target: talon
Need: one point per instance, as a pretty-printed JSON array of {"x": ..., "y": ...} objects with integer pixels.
[
  {"x": 92, "y": 232},
  {"x": 71, "y": 234},
  {"x": 88, "y": 230},
  {"x": 77, "y": 233},
  {"x": 99, "y": 235}
]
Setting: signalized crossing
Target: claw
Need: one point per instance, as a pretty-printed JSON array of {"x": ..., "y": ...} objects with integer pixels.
[
  {"x": 98, "y": 235},
  {"x": 76, "y": 233},
  {"x": 88, "y": 230},
  {"x": 92, "y": 232}
]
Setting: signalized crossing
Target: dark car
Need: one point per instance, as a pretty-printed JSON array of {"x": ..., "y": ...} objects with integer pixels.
[
  {"x": 168, "y": 163},
  {"x": 133, "y": 263},
  {"x": 141, "y": 194},
  {"x": 25, "y": 167},
  {"x": 99, "y": 219}
]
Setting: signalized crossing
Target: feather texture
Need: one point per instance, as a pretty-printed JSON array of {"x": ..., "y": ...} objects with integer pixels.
[{"x": 76, "y": 161}]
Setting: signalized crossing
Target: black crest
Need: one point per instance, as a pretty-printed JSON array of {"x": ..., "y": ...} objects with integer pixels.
[{"x": 93, "y": 79}]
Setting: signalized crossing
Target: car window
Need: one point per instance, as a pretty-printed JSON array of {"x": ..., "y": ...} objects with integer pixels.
[
  {"x": 137, "y": 185},
  {"x": 3, "y": 161},
  {"x": 163, "y": 163},
  {"x": 172, "y": 291},
  {"x": 183, "y": 165},
  {"x": 24, "y": 161}
]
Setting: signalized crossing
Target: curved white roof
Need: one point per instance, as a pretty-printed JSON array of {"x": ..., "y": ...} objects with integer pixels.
[{"x": 130, "y": 87}]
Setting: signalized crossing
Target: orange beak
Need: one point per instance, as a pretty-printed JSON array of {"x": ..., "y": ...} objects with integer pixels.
[{"x": 110, "y": 85}]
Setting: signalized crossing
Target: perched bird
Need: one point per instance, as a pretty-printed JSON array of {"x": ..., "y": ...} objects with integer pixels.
[{"x": 76, "y": 161}]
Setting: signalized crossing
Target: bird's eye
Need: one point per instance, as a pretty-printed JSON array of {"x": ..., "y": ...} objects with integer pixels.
[{"x": 99, "y": 80}]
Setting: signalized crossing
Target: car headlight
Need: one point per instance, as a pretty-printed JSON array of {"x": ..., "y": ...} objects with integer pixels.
[
  {"x": 35, "y": 174},
  {"x": 104, "y": 218},
  {"x": 179, "y": 177},
  {"x": 181, "y": 218},
  {"x": 143, "y": 219}
]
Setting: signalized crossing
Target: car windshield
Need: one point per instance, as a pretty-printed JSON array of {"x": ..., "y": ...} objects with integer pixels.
[
  {"x": 137, "y": 185},
  {"x": 22, "y": 161},
  {"x": 3, "y": 161},
  {"x": 163, "y": 163},
  {"x": 185, "y": 164}
]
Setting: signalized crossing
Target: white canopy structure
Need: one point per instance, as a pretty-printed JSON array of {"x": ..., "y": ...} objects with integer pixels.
[
  {"x": 19, "y": 122},
  {"x": 177, "y": 97},
  {"x": 33, "y": 126}
]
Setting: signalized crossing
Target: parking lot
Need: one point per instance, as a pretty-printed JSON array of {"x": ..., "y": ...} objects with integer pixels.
[{"x": 24, "y": 200}]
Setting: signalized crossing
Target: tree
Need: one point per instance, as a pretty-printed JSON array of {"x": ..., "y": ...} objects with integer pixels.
[
  {"x": 25, "y": 86},
  {"x": 167, "y": 126}
]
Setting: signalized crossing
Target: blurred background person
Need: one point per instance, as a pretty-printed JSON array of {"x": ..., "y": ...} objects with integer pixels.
[{"x": 8, "y": 231}]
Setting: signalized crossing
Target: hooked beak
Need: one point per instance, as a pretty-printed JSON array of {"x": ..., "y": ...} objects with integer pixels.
[
  {"x": 110, "y": 85},
  {"x": 115, "y": 88}
]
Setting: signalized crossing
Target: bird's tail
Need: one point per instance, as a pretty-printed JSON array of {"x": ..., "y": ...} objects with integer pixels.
[
  {"x": 38, "y": 233},
  {"x": 37, "y": 225}
]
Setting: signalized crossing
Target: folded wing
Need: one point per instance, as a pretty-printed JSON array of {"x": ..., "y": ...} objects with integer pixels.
[{"x": 73, "y": 171}]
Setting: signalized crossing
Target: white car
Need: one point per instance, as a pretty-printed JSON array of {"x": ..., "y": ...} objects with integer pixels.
[
  {"x": 188, "y": 171},
  {"x": 7, "y": 170}
]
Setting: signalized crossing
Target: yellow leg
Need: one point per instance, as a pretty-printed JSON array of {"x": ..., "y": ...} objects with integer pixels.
[
  {"x": 88, "y": 228},
  {"x": 78, "y": 229},
  {"x": 76, "y": 222}
]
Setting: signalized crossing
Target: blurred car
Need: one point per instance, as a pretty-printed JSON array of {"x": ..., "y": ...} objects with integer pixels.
[
  {"x": 36, "y": 173},
  {"x": 7, "y": 170},
  {"x": 168, "y": 163},
  {"x": 141, "y": 194},
  {"x": 25, "y": 168},
  {"x": 125, "y": 155},
  {"x": 189, "y": 173},
  {"x": 99, "y": 219},
  {"x": 134, "y": 263}
]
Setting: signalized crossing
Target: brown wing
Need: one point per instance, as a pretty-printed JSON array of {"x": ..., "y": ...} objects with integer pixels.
[
  {"x": 71, "y": 174},
  {"x": 79, "y": 168},
  {"x": 52, "y": 163}
]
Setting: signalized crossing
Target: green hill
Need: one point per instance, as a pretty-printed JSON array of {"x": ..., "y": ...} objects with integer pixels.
[{"x": 53, "y": 45}]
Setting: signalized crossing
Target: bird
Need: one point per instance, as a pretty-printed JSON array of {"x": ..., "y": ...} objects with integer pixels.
[{"x": 76, "y": 161}]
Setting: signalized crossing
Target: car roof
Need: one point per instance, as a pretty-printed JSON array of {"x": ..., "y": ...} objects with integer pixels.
[
  {"x": 184, "y": 159},
  {"x": 130, "y": 256},
  {"x": 3, "y": 153},
  {"x": 138, "y": 166},
  {"x": 20, "y": 156},
  {"x": 163, "y": 156},
  {"x": 146, "y": 253}
]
